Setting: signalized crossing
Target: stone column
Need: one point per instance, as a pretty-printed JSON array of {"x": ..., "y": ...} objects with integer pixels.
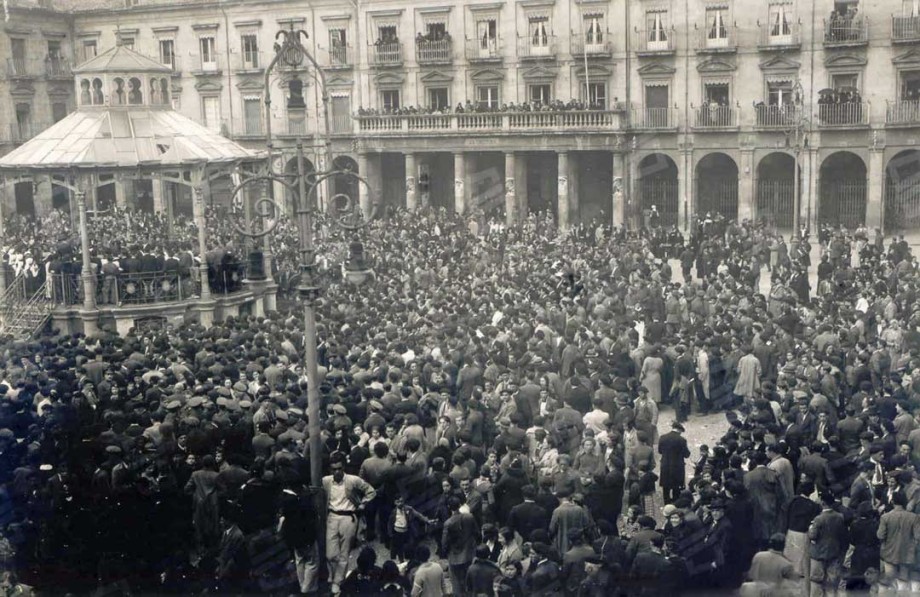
[
  {"x": 562, "y": 207},
  {"x": 157, "y": 186},
  {"x": 746, "y": 186},
  {"x": 88, "y": 314},
  {"x": 618, "y": 211},
  {"x": 170, "y": 193},
  {"x": 809, "y": 189},
  {"x": 686, "y": 181},
  {"x": 2, "y": 261},
  {"x": 121, "y": 196},
  {"x": 364, "y": 196},
  {"x": 206, "y": 305},
  {"x": 875, "y": 200},
  {"x": 411, "y": 191},
  {"x": 459, "y": 182},
  {"x": 510, "y": 192}
]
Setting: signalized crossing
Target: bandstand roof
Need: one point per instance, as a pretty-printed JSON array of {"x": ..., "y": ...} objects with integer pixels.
[
  {"x": 124, "y": 138},
  {"x": 120, "y": 137}
]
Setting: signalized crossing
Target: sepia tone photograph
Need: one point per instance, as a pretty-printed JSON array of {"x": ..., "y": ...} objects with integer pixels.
[{"x": 482, "y": 298}]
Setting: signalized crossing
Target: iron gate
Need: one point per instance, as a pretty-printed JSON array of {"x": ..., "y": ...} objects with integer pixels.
[
  {"x": 843, "y": 203},
  {"x": 902, "y": 204},
  {"x": 662, "y": 193},
  {"x": 775, "y": 202},
  {"x": 717, "y": 196}
]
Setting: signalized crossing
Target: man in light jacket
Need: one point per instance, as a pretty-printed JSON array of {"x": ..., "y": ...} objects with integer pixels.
[{"x": 346, "y": 496}]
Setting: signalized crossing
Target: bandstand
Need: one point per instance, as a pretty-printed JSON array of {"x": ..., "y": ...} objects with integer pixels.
[{"x": 124, "y": 128}]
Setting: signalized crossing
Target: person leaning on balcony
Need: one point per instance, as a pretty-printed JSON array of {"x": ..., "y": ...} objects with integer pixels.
[{"x": 110, "y": 272}]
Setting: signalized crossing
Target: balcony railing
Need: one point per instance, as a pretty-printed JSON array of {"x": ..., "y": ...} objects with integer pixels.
[
  {"x": 206, "y": 66},
  {"x": 582, "y": 120},
  {"x": 339, "y": 56},
  {"x": 244, "y": 127},
  {"x": 714, "y": 117},
  {"x": 536, "y": 46},
  {"x": 294, "y": 128},
  {"x": 654, "y": 41},
  {"x": 717, "y": 39},
  {"x": 654, "y": 118},
  {"x": 20, "y": 67},
  {"x": 433, "y": 52},
  {"x": 847, "y": 114},
  {"x": 780, "y": 35},
  {"x": 778, "y": 117},
  {"x": 250, "y": 61},
  {"x": 592, "y": 45},
  {"x": 484, "y": 50},
  {"x": 57, "y": 68},
  {"x": 903, "y": 112},
  {"x": 905, "y": 29},
  {"x": 843, "y": 31},
  {"x": 387, "y": 53},
  {"x": 20, "y": 133}
]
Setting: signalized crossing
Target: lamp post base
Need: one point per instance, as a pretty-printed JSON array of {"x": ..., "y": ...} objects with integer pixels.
[
  {"x": 205, "y": 311},
  {"x": 90, "y": 321}
]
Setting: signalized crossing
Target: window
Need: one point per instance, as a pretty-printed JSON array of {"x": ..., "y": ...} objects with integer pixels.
[
  {"x": 24, "y": 120},
  {"x": 389, "y": 98},
  {"x": 657, "y": 97},
  {"x": 168, "y": 53},
  {"x": 210, "y": 112},
  {"x": 250, "y": 45},
  {"x": 438, "y": 98},
  {"x": 252, "y": 115},
  {"x": 540, "y": 94},
  {"x": 779, "y": 93},
  {"x": 208, "y": 53},
  {"x": 89, "y": 49},
  {"x": 594, "y": 29},
  {"x": 657, "y": 29},
  {"x": 716, "y": 31},
  {"x": 58, "y": 111},
  {"x": 435, "y": 31},
  {"x": 337, "y": 46},
  {"x": 594, "y": 95},
  {"x": 910, "y": 86},
  {"x": 128, "y": 42},
  {"x": 717, "y": 94},
  {"x": 849, "y": 81},
  {"x": 387, "y": 34},
  {"x": 780, "y": 23},
  {"x": 487, "y": 35},
  {"x": 910, "y": 8},
  {"x": 539, "y": 36},
  {"x": 487, "y": 96}
]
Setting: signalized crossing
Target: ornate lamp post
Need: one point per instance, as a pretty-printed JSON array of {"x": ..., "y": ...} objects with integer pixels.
[
  {"x": 797, "y": 133},
  {"x": 291, "y": 53}
]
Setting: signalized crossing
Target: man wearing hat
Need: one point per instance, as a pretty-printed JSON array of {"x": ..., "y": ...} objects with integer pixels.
[{"x": 674, "y": 451}]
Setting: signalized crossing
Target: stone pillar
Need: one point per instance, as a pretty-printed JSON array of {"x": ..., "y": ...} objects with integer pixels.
[
  {"x": 510, "y": 191},
  {"x": 618, "y": 196},
  {"x": 875, "y": 200},
  {"x": 206, "y": 305},
  {"x": 88, "y": 314},
  {"x": 364, "y": 196},
  {"x": 686, "y": 181},
  {"x": 411, "y": 174},
  {"x": 121, "y": 195},
  {"x": 562, "y": 208},
  {"x": 460, "y": 182},
  {"x": 158, "y": 195},
  {"x": 746, "y": 186},
  {"x": 2, "y": 261},
  {"x": 811, "y": 183},
  {"x": 574, "y": 190}
]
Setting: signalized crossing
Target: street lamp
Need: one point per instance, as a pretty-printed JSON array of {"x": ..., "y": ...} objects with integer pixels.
[
  {"x": 345, "y": 213},
  {"x": 796, "y": 131}
]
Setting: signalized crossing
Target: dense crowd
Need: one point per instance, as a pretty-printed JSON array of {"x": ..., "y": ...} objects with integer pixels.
[{"x": 490, "y": 426}]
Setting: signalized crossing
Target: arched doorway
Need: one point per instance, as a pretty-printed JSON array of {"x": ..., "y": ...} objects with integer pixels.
[
  {"x": 345, "y": 185},
  {"x": 902, "y": 192},
  {"x": 717, "y": 186},
  {"x": 25, "y": 199},
  {"x": 658, "y": 186},
  {"x": 775, "y": 204},
  {"x": 843, "y": 190},
  {"x": 291, "y": 169}
]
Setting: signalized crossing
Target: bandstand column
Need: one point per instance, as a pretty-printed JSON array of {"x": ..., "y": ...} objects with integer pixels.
[
  {"x": 206, "y": 305},
  {"x": 2, "y": 263},
  {"x": 510, "y": 192},
  {"x": 88, "y": 314},
  {"x": 411, "y": 191},
  {"x": 364, "y": 196},
  {"x": 158, "y": 206}
]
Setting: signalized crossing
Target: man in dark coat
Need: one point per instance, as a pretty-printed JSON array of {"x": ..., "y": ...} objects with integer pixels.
[
  {"x": 528, "y": 516},
  {"x": 829, "y": 542},
  {"x": 673, "y": 449},
  {"x": 767, "y": 495}
]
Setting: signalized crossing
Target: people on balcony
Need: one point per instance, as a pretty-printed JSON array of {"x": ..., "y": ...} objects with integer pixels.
[
  {"x": 572, "y": 105},
  {"x": 843, "y": 24},
  {"x": 840, "y": 106}
]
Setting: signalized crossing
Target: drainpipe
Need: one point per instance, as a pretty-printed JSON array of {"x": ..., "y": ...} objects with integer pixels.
[
  {"x": 688, "y": 172},
  {"x": 357, "y": 57},
  {"x": 229, "y": 66},
  {"x": 811, "y": 90},
  {"x": 627, "y": 120}
]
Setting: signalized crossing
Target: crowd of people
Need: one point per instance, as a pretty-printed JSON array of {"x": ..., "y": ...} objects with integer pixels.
[
  {"x": 490, "y": 426},
  {"x": 469, "y": 107}
]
